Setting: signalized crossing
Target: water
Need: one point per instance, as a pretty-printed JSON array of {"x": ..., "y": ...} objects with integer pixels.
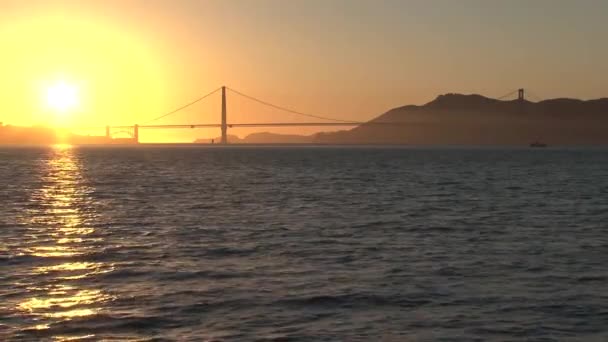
[{"x": 303, "y": 244}]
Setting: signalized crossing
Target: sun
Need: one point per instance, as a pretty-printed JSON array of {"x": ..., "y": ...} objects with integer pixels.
[{"x": 62, "y": 97}]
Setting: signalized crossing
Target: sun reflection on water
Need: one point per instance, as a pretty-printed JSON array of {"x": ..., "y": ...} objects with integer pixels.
[
  {"x": 64, "y": 302},
  {"x": 61, "y": 238}
]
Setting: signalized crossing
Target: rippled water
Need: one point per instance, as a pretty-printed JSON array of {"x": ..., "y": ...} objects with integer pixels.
[{"x": 303, "y": 244}]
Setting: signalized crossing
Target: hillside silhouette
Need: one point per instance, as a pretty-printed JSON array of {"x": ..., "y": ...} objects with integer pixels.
[
  {"x": 478, "y": 120},
  {"x": 263, "y": 138},
  {"x": 451, "y": 119},
  {"x": 27, "y": 135},
  {"x": 43, "y": 135}
]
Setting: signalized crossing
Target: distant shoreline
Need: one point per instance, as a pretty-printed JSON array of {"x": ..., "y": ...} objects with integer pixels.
[
  {"x": 346, "y": 146},
  {"x": 448, "y": 120}
]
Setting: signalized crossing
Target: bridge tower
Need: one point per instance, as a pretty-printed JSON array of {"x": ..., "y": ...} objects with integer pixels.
[
  {"x": 224, "y": 124},
  {"x": 108, "y": 136},
  {"x": 521, "y": 94},
  {"x": 521, "y": 100},
  {"x": 136, "y": 133}
]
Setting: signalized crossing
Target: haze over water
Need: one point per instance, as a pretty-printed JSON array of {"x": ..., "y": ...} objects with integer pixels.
[{"x": 303, "y": 243}]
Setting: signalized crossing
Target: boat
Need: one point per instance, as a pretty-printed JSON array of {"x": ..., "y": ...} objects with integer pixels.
[{"x": 538, "y": 144}]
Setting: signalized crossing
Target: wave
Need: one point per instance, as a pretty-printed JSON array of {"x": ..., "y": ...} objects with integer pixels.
[
  {"x": 102, "y": 324},
  {"x": 353, "y": 300}
]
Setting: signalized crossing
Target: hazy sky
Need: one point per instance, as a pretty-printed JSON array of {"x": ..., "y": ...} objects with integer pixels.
[{"x": 135, "y": 59}]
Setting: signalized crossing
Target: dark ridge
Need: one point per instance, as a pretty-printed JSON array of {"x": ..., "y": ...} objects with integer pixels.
[
  {"x": 448, "y": 119},
  {"x": 456, "y": 119}
]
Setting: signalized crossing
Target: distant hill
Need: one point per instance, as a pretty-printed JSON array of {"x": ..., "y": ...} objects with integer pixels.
[
  {"x": 41, "y": 135},
  {"x": 451, "y": 119},
  {"x": 263, "y": 138},
  {"x": 478, "y": 120},
  {"x": 27, "y": 135},
  {"x": 456, "y": 119}
]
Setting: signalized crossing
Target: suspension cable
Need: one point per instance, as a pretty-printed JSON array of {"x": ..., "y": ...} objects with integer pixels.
[
  {"x": 534, "y": 96},
  {"x": 183, "y": 107},
  {"x": 287, "y": 109},
  {"x": 507, "y": 95}
]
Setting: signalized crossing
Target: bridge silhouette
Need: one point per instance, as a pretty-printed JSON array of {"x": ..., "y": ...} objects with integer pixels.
[{"x": 224, "y": 125}]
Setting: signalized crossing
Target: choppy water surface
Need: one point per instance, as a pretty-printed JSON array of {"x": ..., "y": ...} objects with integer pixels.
[{"x": 303, "y": 244}]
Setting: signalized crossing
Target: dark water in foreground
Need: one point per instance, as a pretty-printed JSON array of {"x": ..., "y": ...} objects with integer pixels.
[{"x": 303, "y": 244}]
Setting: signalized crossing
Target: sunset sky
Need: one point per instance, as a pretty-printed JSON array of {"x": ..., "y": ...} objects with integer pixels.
[{"x": 132, "y": 60}]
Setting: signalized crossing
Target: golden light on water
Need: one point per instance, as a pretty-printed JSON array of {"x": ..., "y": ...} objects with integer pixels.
[
  {"x": 51, "y": 251},
  {"x": 59, "y": 232},
  {"x": 64, "y": 302},
  {"x": 76, "y": 270}
]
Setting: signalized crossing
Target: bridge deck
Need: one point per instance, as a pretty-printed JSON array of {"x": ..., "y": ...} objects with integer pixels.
[{"x": 253, "y": 124}]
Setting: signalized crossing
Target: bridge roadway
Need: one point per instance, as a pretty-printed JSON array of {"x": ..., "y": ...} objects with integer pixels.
[
  {"x": 136, "y": 128},
  {"x": 224, "y": 125},
  {"x": 261, "y": 124}
]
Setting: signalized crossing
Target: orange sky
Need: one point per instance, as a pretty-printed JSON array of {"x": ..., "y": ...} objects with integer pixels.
[{"x": 134, "y": 60}]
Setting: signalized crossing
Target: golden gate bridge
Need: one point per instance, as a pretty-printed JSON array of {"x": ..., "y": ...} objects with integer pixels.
[{"x": 224, "y": 125}]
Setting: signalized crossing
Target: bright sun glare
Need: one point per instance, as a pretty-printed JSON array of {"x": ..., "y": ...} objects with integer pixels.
[{"x": 62, "y": 97}]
